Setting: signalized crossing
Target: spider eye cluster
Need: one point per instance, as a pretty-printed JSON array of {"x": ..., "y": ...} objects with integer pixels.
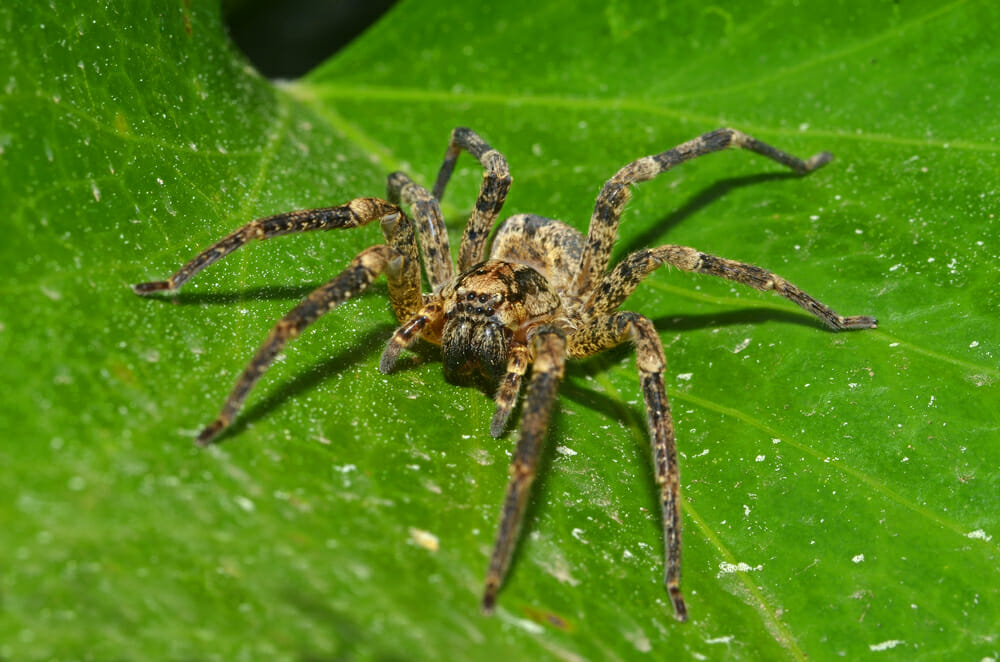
[{"x": 477, "y": 304}]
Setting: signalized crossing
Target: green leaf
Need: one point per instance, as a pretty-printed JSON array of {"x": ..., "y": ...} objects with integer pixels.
[{"x": 841, "y": 495}]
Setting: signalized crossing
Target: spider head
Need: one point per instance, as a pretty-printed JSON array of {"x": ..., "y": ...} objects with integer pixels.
[
  {"x": 487, "y": 308},
  {"x": 475, "y": 347}
]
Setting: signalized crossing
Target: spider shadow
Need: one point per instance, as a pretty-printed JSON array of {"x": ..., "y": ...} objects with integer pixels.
[
  {"x": 698, "y": 202},
  {"x": 353, "y": 636},
  {"x": 312, "y": 376},
  {"x": 262, "y": 293},
  {"x": 633, "y": 416},
  {"x": 538, "y": 498},
  {"x": 667, "y": 323},
  {"x": 373, "y": 340},
  {"x": 742, "y": 316}
]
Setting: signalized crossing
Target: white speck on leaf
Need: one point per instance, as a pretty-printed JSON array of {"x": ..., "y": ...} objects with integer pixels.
[
  {"x": 523, "y": 623},
  {"x": 55, "y": 295},
  {"x": 858, "y": 558},
  {"x": 640, "y": 641},
  {"x": 726, "y": 568},
  {"x": 886, "y": 645},
  {"x": 425, "y": 539},
  {"x": 979, "y": 534}
]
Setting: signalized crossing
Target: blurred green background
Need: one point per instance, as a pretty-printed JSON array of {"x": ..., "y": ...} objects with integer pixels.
[{"x": 841, "y": 490}]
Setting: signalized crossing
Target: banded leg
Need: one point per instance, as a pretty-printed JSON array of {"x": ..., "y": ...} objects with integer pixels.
[
  {"x": 616, "y": 192},
  {"x": 651, "y": 362},
  {"x": 430, "y": 227},
  {"x": 506, "y": 395},
  {"x": 496, "y": 183},
  {"x": 547, "y": 371},
  {"x": 623, "y": 279},
  {"x": 432, "y": 314},
  {"x": 396, "y": 226},
  {"x": 352, "y": 281}
]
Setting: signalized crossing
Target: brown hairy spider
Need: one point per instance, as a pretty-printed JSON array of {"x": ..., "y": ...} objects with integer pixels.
[{"x": 542, "y": 294}]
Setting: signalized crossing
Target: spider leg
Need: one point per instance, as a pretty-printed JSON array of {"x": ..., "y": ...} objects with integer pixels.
[
  {"x": 549, "y": 346},
  {"x": 623, "y": 279},
  {"x": 430, "y": 227},
  {"x": 407, "y": 334},
  {"x": 506, "y": 394},
  {"x": 616, "y": 192},
  {"x": 496, "y": 183},
  {"x": 351, "y": 282},
  {"x": 608, "y": 332},
  {"x": 351, "y": 215}
]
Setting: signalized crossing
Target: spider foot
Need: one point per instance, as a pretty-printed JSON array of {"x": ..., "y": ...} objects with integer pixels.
[
  {"x": 499, "y": 422},
  {"x": 208, "y": 435},
  {"x": 857, "y": 322},
  {"x": 680, "y": 609},
  {"x": 389, "y": 356},
  {"x": 154, "y": 286},
  {"x": 490, "y": 599},
  {"x": 818, "y": 161}
]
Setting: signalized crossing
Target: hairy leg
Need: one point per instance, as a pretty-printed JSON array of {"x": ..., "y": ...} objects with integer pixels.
[
  {"x": 609, "y": 332},
  {"x": 351, "y": 282},
  {"x": 429, "y": 318},
  {"x": 430, "y": 227},
  {"x": 616, "y": 286},
  {"x": 496, "y": 183},
  {"x": 616, "y": 192},
  {"x": 506, "y": 394},
  {"x": 403, "y": 274},
  {"x": 547, "y": 371}
]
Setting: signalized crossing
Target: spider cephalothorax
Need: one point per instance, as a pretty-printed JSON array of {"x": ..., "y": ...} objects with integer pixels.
[
  {"x": 486, "y": 309},
  {"x": 542, "y": 294}
]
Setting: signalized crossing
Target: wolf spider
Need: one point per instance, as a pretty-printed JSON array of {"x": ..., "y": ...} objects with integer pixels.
[{"x": 541, "y": 295}]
